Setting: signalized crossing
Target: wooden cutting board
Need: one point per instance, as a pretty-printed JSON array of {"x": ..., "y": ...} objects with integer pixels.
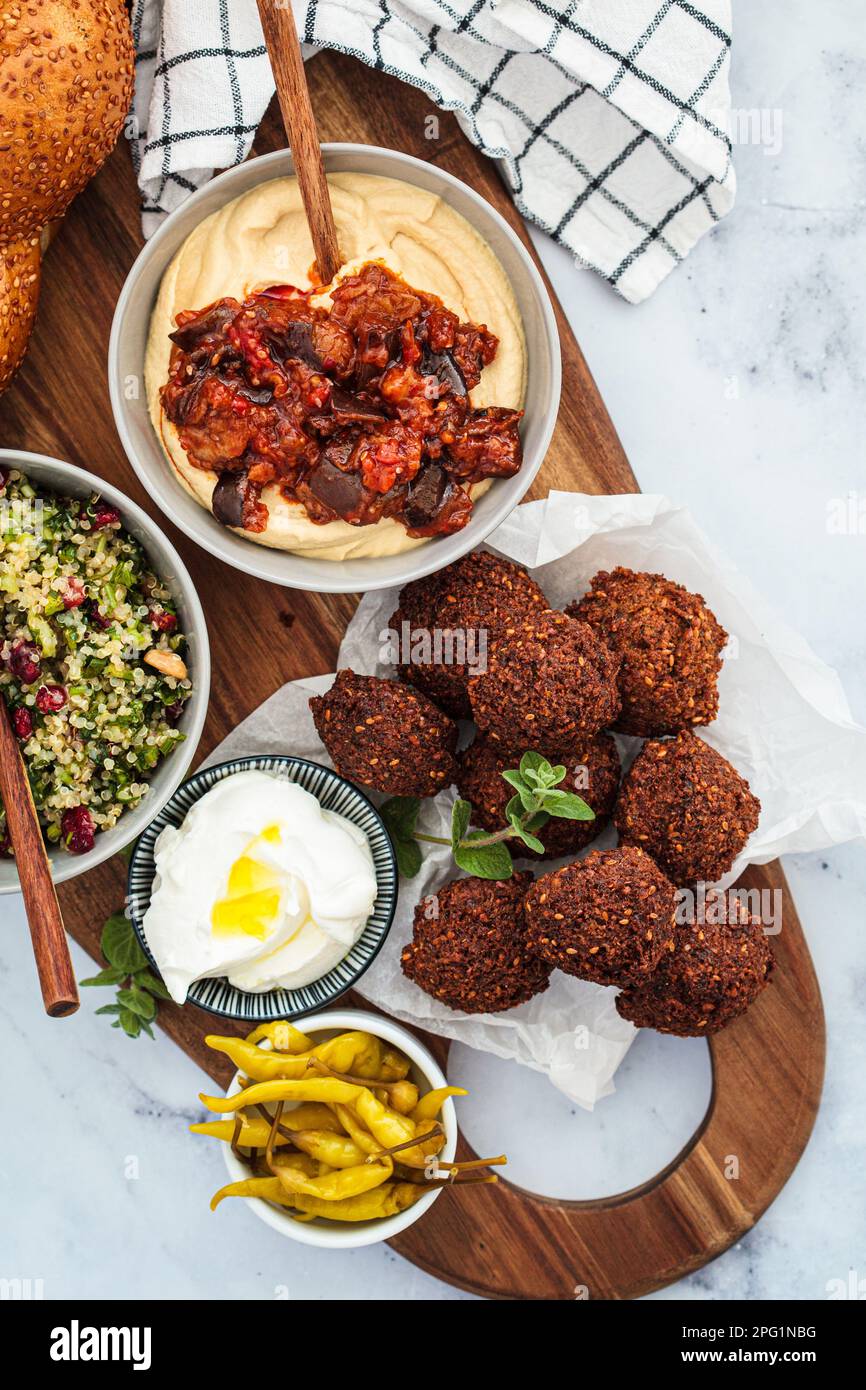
[{"x": 500, "y": 1242}]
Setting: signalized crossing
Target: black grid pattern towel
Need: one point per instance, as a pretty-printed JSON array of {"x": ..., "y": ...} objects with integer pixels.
[{"x": 610, "y": 117}]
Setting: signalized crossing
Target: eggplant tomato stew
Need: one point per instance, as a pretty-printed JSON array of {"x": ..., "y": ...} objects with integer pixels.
[{"x": 358, "y": 413}]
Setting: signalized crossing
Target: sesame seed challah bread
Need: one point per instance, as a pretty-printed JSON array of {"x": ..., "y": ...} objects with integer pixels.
[
  {"x": 19, "y": 294},
  {"x": 66, "y": 70}
]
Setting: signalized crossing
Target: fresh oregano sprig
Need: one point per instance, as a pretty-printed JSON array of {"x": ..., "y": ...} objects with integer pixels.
[
  {"x": 537, "y": 797},
  {"x": 138, "y": 989}
]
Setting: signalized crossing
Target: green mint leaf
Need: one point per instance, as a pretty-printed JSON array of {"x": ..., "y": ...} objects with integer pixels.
[
  {"x": 127, "y": 852},
  {"x": 526, "y": 836},
  {"x": 137, "y": 1002},
  {"x": 533, "y": 822},
  {"x": 409, "y": 857},
  {"x": 120, "y": 945},
  {"x": 531, "y": 840},
  {"x": 130, "y": 1023},
  {"x": 525, "y": 827},
  {"x": 514, "y": 779},
  {"x": 570, "y": 807},
  {"x": 145, "y": 980},
  {"x": 143, "y": 1004},
  {"x": 529, "y": 796},
  {"x": 538, "y": 772},
  {"x": 533, "y": 768},
  {"x": 486, "y": 861},
  {"x": 556, "y": 775},
  {"x": 147, "y": 1029},
  {"x": 400, "y": 815},
  {"x": 109, "y": 976},
  {"x": 109, "y": 1009},
  {"x": 460, "y": 818}
]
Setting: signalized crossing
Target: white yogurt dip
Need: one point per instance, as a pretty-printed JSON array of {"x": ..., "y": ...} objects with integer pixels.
[{"x": 260, "y": 884}]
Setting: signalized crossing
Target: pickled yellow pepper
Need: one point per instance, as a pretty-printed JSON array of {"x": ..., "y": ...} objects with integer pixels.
[
  {"x": 355, "y": 1115},
  {"x": 256, "y": 1129},
  {"x": 324, "y": 1089},
  {"x": 359, "y": 1054},
  {"x": 356, "y": 1130},
  {"x": 332, "y": 1187},
  {"x": 258, "y": 1064},
  {"x": 337, "y": 1150},
  {"x": 270, "y": 1189},
  {"x": 403, "y": 1097},
  {"x": 282, "y": 1036},
  {"x": 429, "y": 1106},
  {"x": 391, "y": 1129},
  {"x": 387, "y": 1200}
]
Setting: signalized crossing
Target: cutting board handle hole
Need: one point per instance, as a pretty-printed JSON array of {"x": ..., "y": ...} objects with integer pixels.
[{"x": 560, "y": 1151}]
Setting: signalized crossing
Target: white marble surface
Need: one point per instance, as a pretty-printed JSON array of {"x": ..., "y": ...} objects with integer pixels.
[{"x": 737, "y": 389}]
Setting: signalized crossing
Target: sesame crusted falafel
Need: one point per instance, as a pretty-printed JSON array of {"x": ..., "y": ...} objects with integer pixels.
[
  {"x": 688, "y": 807},
  {"x": 712, "y": 975},
  {"x": 607, "y": 918},
  {"x": 593, "y": 772},
  {"x": 670, "y": 644},
  {"x": 386, "y": 735},
  {"x": 549, "y": 684},
  {"x": 450, "y": 619},
  {"x": 469, "y": 950}
]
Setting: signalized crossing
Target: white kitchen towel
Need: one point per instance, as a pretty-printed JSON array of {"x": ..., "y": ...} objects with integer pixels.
[{"x": 609, "y": 117}]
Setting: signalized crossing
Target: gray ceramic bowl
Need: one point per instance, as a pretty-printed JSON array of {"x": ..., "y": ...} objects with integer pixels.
[
  {"x": 69, "y": 481},
  {"x": 126, "y": 364}
]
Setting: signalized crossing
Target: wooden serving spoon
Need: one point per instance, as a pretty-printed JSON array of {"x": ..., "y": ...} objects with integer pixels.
[
  {"x": 284, "y": 50},
  {"x": 50, "y": 947}
]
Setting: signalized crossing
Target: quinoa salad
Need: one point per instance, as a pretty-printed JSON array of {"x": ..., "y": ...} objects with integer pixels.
[{"x": 91, "y": 660}]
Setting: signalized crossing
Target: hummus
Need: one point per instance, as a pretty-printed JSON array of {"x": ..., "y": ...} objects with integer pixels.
[{"x": 262, "y": 239}]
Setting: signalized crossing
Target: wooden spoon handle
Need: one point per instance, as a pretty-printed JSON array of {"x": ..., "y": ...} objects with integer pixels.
[
  {"x": 50, "y": 947},
  {"x": 284, "y": 49}
]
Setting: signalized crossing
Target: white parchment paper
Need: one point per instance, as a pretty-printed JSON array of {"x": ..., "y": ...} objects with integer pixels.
[{"x": 784, "y": 723}]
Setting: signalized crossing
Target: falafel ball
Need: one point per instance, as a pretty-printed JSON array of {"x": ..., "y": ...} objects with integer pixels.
[
  {"x": 607, "y": 918},
  {"x": 386, "y": 735},
  {"x": 459, "y": 612},
  {"x": 713, "y": 974},
  {"x": 670, "y": 644},
  {"x": 688, "y": 807},
  {"x": 550, "y": 683},
  {"x": 469, "y": 949},
  {"x": 593, "y": 773}
]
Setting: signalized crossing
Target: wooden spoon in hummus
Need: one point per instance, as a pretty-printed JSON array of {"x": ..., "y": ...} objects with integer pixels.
[{"x": 284, "y": 50}]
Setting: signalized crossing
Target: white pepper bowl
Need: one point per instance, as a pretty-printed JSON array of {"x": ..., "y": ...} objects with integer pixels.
[{"x": 428, "y": 1076}]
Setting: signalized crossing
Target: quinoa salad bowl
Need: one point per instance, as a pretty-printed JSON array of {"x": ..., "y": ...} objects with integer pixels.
[{"x": 104, "y": 660}]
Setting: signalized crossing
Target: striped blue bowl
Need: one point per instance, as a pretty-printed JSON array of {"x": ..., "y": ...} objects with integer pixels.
[{"x": 335, "y": 794}]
